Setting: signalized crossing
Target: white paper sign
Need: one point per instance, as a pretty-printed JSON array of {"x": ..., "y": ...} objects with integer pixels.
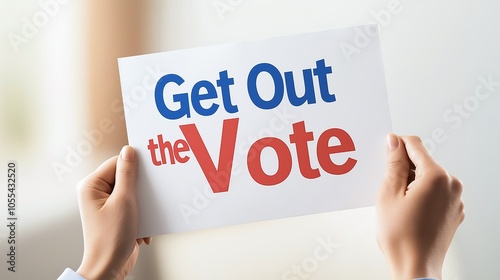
[{"x": 257, "y": 130}]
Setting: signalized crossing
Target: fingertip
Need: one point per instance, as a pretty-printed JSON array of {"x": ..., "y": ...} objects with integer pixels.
[
  {"x": 392, "y": 142},
  {"x": 127, "y": 153},
  {"x": 148, "y": 240},
  {"x": 397, "y": 164},
  {"x": 126, "y": 171}
]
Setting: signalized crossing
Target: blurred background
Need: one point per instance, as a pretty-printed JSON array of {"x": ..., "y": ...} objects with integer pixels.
[{"x": 59, "y": 85}]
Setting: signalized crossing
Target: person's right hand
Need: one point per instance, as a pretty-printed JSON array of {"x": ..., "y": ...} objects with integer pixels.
[{"x": 419, "y": 209}]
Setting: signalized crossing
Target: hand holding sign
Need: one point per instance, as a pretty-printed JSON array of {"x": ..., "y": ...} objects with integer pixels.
[{"x": 419, "y": 210}]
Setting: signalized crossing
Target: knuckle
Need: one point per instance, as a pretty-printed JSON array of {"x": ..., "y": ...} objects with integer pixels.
[
  {"x": 397, "y": 167},
  {"x": 440, "y": 177},
  {"x": 456, "y": 185},
  {"x": 125, "y": 172},
  {"x": 397, "y": 162},
  {"x": 80, "y": 186},
  {"x": 462, "y": 210},
  {"x": 415, "y": 138},
  {"x": 86, "y": 186}
]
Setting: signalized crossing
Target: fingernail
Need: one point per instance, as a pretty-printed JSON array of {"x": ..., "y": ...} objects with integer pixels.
[
  {"x": 127, "y": 153},
  {"x": 392, "y": 142}
]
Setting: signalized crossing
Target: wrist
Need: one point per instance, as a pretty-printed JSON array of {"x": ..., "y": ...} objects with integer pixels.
[
  {"x": 95, "y": 268},
  {"x": 413, "y": 268},
  {"x": 95, "y": 273},
  {"x": 417, "y": 273},
  {"x": 91, "y": 272}
]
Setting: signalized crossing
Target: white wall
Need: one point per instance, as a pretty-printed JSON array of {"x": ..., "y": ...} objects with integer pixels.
[{"x": 434, "y": 52}]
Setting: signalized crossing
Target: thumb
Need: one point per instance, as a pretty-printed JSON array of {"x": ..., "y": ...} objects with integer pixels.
[
  {"x": 126, "y": 173},
  {"x": 397, "y": 166}
]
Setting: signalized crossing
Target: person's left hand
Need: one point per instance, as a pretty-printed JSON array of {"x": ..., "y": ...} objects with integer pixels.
[{"x": 108, "y": 209}]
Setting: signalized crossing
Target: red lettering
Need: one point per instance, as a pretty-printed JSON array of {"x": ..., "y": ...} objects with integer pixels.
[
  {"x": 324, "y": 150},
  {"x": 219, "y": 176},
  {"x": 152, "y": 149},
  {"x": 300, "y": 137},
  {"x": 181, "y": 146},
  {"x": 162, "y": 147},
  {"x": 284, "y": 161},
  {"x": 173, "y": 151},
  {"x": 226, "y": 153}
]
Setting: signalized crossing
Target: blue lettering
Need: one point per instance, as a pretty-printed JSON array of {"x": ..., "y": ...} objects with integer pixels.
[
  {"x": 181, "y": 98},
  {"x": 278, "y": 86},
  {"x": 321, "y": 71},
  {"x": 308, "y": 88},
  {"x": 196, "y": 98},
  {"x": 224, "y": 82},
  {"x": 202, "y": 90}
]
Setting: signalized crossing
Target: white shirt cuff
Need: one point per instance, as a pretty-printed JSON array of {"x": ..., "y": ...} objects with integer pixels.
[{"x": 69, "y": 274}]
